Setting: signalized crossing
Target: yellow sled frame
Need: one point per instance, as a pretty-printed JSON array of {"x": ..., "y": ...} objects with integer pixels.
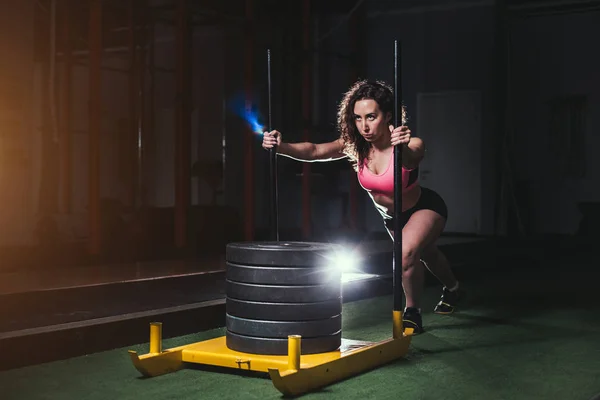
[{"x": 293, "y": 374}]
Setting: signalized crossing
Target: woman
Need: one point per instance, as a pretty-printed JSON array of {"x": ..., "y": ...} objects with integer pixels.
[{"x": 367, "y": 138}]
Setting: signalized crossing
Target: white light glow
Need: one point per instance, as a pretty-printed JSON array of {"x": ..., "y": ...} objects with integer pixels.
[
  {"x": 356, "y": 276},
  {"x": 349, "y": 262},
  {"x": 346, "y": 262}
]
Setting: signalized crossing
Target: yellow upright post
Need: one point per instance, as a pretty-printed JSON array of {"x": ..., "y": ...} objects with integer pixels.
[
  {"x": 156, "y": 337},
  {"x": 294, "y": 352},
  {"x": 397, "y": 328}
]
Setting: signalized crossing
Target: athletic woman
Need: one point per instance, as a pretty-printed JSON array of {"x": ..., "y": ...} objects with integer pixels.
[{"x": 367, "y": 139}]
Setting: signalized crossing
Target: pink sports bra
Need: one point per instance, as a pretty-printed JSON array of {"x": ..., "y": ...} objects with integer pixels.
[{"x": 384, "y": 183}]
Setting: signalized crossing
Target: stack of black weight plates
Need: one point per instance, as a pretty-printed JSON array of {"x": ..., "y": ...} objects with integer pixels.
[{"x": 277, "y": 289}]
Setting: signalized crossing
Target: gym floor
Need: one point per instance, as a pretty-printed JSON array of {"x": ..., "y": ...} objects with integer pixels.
[{"x": 527, "y": 330}]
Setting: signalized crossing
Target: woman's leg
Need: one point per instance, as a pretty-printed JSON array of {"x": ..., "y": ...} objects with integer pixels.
[
  {"x": 439, "y": 266},
  {"x": 420, "y": 232},
  {"x": 437, "y": 263}
]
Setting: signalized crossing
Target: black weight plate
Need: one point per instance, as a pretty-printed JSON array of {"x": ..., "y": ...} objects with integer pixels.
[
  {"x": 283, "y": 311},
  {"x": 275, "y": 275},
  {"x": 290, "y": 254},
  {"x": 279, "y": 347},
  {"x": 282, "y": 329},
  {"x": 283, "y": 294}
]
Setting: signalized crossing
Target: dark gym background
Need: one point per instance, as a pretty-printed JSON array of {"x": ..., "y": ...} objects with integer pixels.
[
  {"x": 168, "y": 75},
  {"x": 123, "y": 141}
]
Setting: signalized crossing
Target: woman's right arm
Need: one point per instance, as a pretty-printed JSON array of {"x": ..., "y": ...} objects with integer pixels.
[{"x": 304, "y": 151}]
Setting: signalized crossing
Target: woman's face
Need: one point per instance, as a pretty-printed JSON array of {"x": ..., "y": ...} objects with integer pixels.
[{"x": 370, "y": 120}]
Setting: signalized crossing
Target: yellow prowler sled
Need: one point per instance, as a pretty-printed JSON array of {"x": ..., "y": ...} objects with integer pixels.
[{"x": 295, "y": 373}]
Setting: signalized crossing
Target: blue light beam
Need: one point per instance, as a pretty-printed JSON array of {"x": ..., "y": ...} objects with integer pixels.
[{"x": 251, "y": 117}]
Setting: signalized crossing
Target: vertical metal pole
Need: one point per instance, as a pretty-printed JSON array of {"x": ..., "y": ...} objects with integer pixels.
[
  {"x": 49, "y": 184},
  {"x": 150, "y": 132},
  {"x": 306, "y": 116},
  {"x": 95, "y": 121},
  {"x": 183, "y": 127},
  {"x": 131, "y": 132},
  {"x": 272, "y": 163},
  {"x": 397, "y": 258},
  {"x": 501, "y": 212},
  {"x": 65, "y": 131},
  {"x": 44, "y": 194},
  {"x": 249, "y": 135},
  {"x": 141, "y": 115}
]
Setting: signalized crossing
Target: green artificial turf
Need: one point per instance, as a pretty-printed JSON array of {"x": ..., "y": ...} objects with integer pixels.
[{"x": 530, "y": 342}]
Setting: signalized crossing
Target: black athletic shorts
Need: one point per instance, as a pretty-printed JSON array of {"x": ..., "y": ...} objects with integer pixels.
[{"x": 429, "y": 200}]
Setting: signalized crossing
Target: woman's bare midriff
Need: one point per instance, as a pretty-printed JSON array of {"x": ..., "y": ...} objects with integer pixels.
[{"x": 409, "y": 199}]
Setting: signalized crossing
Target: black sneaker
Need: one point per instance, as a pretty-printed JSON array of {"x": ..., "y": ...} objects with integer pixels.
[
  {"x": 447, "y": 302},
  {"x": 412, "y": 319}
]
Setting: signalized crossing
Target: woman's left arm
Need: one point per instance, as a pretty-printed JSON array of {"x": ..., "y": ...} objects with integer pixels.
[
  {"x": 413, "y": 153},
  {"x": 413, "y": 149}
]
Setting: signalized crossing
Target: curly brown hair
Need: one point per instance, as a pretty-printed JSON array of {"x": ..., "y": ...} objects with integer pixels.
[{"x": 356, "y": 147}]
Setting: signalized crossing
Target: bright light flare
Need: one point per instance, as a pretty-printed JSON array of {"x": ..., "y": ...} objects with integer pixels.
[{"x": 346, "y": 262}]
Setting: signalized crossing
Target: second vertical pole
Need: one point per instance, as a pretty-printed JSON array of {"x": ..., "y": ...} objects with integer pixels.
[
  {"x": 306, "y": 118},
  {"x": 65, "y": 142},
  {"x": 94, "y": 124},
  {"x": 182, "y": 126},
  {"x": 249, "y": 137},
  {"x": 272, "y": 164},
  {"x": 397, "y": 258}
]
